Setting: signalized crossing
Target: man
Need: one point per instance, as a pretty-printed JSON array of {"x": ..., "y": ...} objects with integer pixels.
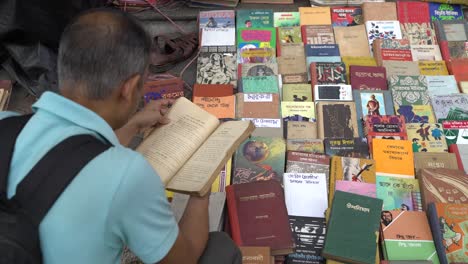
[
  {"x": 117, "y": 199},
  {"x": 248, "y": 23},
  {"x": 386, "y": 217},
  {"x": 373, "y": 106}
]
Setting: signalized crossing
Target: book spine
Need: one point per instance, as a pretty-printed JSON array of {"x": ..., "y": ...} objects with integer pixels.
[
  {"x": 454, "y": 149},
  {"x": 436, "y": 232},
  {"x": 313, "y": 76},
  {"x": 278, "y": 46},
  {"x": 417, "y": 203},
  {"x": 233, "y": 215},
  {"x": 304, "y": 35},
  {"x": 377, "y": 47}
]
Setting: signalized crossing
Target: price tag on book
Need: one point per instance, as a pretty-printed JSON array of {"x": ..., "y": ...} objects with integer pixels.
[
  {"x": 258, "y": 97},
  {"x": 265, "y": 122}
]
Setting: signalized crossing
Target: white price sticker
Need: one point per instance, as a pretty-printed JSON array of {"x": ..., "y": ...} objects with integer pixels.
[{"x": 265, "y": 122}]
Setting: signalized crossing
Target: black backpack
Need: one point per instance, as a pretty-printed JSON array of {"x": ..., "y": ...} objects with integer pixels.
[{"x": 21, "y": 215}]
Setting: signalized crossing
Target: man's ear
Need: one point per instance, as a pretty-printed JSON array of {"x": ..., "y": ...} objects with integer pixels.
[{"x": 129, "y": 88}]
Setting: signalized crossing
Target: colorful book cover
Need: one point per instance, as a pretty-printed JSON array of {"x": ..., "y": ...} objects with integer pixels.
[
  {"x": 297, "y": 93},
  {"x": 286, "y": 19},
  {"x": 439, "y": 11},
  {"x": 337, "y": 120},
  {"x": 441, "y": 85},
  {"x": 217, "y": 28},
  {"x": 298, "y": 111},
  {"x": 315, "y": 15},
  {"x": 409, "y": 90},
  {"x": 426, "y": 53},
  {"x": 305, "y": 145},
  {"x": 416, "y": 113},
  {"x": 217, "y": 68},
  {"x": 162, "y": 89},
  {"x": 393, "y": 157},
  {"x": 253, "y": 18},
  {"x": 368, "y": 77},
  {"x": 250, "y": 54},
  {"x": 361, "y": 188},
  {"x": 385, "y": 125},
  {"x": 456, "y": 131},
  {"x": 382, "y": 30},
  {"x": 399, "y": 193},
  {"x": 224, "y": 178},
  {"x": 407, "y": 236},
  {"x": 248, "y": 38},
  {"x": 350, "y": 169},
  {"x": 457, "y": 49},
  {"x": 259, "y": 69},
  {"x": 419, "y": 33},
  {"x": 449, "y": 224},
  {"x": 352, "y": 147},
  {"x": 327, "y": 73},
  {"x": 303, "y": 162},
  {"x": 427, "y": 137},
  {"x": 259, "y": 159},
  {"x": 391, "y": 49},
  {"x": 287, "y": 35},
  {"x": 309, "y": 238},
  {"x": 260, "y": 84},
  {"x": 346, "y": 16},
  {"x": 442, "y": 104},
  {"x": 372, "y": 102},
  {"x": 431, "y": 68},
  {"x": 318, "y": 34}
]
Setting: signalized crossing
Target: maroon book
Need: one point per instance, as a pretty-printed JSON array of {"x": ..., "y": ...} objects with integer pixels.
[
  {"x": 368, "y": 77},
  {"x": 258, "y": 216}
]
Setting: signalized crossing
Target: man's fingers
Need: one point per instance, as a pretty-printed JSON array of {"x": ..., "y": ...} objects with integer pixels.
[{"x": 164, "y": 120}]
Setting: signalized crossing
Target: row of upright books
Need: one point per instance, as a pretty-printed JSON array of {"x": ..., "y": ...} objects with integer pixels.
[{"x": 360, "y": 149}]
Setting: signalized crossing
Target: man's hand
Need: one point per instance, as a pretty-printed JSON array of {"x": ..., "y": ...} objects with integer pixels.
[{"x": 152, "y": 114}]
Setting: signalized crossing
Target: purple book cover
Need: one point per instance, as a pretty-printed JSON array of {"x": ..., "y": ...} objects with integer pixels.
[
  {"x": 368, "y": 77},
  {"x": 361, "y": 188}
]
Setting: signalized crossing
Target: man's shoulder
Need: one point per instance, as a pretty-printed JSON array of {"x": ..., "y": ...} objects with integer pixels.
[{"x": 6, "y": 114}]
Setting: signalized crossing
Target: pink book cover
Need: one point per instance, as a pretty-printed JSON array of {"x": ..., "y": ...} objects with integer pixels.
[{"x": 361, "y": 188}]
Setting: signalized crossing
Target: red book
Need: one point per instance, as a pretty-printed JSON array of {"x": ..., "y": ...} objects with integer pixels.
[
  {"x": 385, "y": 127},
  {"x": 345, "y": 16},
  {"x": 258, "y": 216},
  {"x": 212, "y": 90},
  {"x": 368, "y": 77},
  {"x": 461, "y": 152},
  {"x": 391, "y": 49},
  {"x": 459, "y": 68},
  {"x": 413, "y": 12}
]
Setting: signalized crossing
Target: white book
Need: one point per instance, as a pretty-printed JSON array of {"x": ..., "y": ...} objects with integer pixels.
[
  {"x": 306, "y": 194},
  {"x": 385, "y": 29},
  {"x": 441, "y": 85},
  {"x": 426, "y": 53}
]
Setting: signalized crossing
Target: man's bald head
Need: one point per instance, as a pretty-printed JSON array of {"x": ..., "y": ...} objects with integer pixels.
[{"x": 99, "y": 50}]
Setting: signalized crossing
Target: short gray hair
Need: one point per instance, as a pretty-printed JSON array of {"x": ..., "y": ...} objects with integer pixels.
[{"x": 100, "y": 50}]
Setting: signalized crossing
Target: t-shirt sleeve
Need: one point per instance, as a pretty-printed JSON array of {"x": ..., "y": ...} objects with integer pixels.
[
  {"x": 5, "y": 114},
  {"x": 140, "y": 216}
]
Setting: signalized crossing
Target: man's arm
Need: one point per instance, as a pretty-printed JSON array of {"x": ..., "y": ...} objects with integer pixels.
[{"x": 193, "y": 233}]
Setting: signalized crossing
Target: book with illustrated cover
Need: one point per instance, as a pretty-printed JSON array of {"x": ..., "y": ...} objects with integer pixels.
[
  {"x": 217, "y": 28},
  {"x": 443, "y": 104},
  {"x": 286, "y": 19},
  {"x": 200, "y": 135},
  {"x": 419, "y": 33},
  {"x": 426, "y": 53},
  {"x": 449, "y": 225},
  {"x": 443, "y": 186},
  {"x": 159, "y": 89},
  {"x": 297, "y": 93},
  {"x": 259, "y": 69},
  {"x": 337, "y": 120},
  {"x": 406, "y": 235},
  {"x": 350, "y": 169},
  {"x": 305, "y": 145},
  {"x": 441, "y": 85},
  {"x": 385, "y": 126},
  {"x": 327, "y": 73},
  {"x": 427, "y": 137},
  {"x": 254, "y": 18},
  {"x": 391, "y": 49},
  {"x": 258, "y": 216},
  {"x": 409, "y": 90},
  {"x": 259, "y": 159},
  {"x": 309, "y": 238},
  {"x": 217, "y": 68},
  {"x": 318, "y": 34},
  {"x": 399, "y": 193},
  {"x": 256, "y": 38},
  {"x": 340, "y": 241},
  {"x": 298, "y": 111},
  {"x": 456, "y": 131},
  {"x": 346, "y": 16},
  {"x": 346, "y": 147},
  {"x": 454, "y": 49},
  {"x": 288, "y": 35},
  {"x": 382, "y": 29},
  {"x": 333, "y": 92},
  {"x": 416, "y": 113},
  {"x": 303, "y": 162}
]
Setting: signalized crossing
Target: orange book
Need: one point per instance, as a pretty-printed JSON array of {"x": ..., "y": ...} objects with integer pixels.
[
  {"x": 315, "y": 15},
  {"x": 221, "y": 107},
  {"x": 393, "y": 157}
]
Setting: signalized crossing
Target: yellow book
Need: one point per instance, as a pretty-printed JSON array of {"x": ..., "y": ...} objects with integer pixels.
[
  {"x": 315, "y": 15},
  {"x": 464, "y": 87},
  {"x": 359, "y": 61},
  {"x": 433, "y": 68}
]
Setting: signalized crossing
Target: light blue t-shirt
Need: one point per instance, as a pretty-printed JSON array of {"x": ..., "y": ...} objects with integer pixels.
[{"x": 116, "y": 200}]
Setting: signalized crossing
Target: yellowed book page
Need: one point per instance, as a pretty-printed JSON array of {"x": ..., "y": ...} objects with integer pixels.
[
  {"x": 202, "y": 168},
  {"x": 168, "y": 147},
  {"x": 2, "y": 101}
]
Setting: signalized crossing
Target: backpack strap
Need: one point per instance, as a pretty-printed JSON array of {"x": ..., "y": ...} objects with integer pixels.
[
  {"x": 10, "y": 129},
  {"x": 41, "y": 187}
]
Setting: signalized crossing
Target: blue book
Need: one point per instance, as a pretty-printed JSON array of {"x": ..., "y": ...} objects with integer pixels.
[
  {"x": 316, "y": 50},
  {"x": 439, "y": 11}
]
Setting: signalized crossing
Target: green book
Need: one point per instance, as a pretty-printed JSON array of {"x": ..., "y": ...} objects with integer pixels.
[
  {"x": 409, "y": 90},
  {"x": 256, "y": 38},
  {"x": 254, "y": 18},
  {"x": 260, "y": 84},
  {"x": 353, "y": 229},
  {"x": 286, "y": 19}
]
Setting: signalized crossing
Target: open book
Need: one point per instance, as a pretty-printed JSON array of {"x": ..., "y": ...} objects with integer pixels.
[{"x": 190, "y": 151}]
